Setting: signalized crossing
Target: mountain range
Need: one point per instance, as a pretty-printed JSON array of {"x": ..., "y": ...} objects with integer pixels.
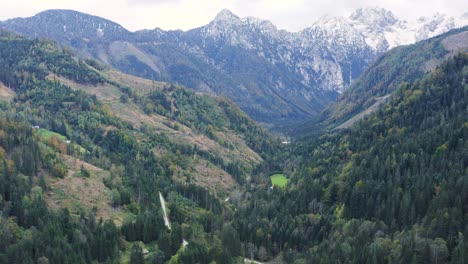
[{"x": 275, "y": 76}]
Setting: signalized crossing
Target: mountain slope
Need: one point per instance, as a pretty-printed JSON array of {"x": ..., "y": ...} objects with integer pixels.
[
  {"x": 275, "y": 76},
  {"x": 218, "y": 129},
  {"x": 382, "y": 79},
  {"x": 403, "y": 64},
  {"x": 390, "y": 189},
  {"x": 79, "y": 142}
]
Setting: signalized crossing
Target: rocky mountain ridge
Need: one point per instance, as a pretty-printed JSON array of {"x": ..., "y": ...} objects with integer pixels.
[{"x": 274, "y": 75}]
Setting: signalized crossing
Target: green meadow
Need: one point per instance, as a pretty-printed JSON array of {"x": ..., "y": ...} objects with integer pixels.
[{"x": 279, "y": 180}]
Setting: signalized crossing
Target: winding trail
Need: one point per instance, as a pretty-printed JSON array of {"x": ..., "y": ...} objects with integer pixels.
[{"x": 163, "y": 205}]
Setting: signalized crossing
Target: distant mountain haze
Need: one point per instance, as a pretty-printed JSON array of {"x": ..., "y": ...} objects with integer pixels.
[{"x": 274, "y": 75}]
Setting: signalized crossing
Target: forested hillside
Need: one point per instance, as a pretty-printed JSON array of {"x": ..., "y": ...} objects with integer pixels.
[
  {"x": 391, "y": 189},
  {"x": 85, "y": 152},
  {"x": 380, "y": 80},
  {"x": 402, "y": 64},
  {"x": 91, "y": 159}
]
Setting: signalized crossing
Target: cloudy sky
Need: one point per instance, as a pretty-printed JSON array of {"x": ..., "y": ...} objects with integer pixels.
[{"x": 292, "y": 15}]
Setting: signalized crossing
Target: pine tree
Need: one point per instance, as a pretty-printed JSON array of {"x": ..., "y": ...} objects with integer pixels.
[{"x": 136, "y": 256}]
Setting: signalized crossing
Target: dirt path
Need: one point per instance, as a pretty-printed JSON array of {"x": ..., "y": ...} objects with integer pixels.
[
  {"x": 163, "y": 205},
  {"x": 251, "y": 261}
]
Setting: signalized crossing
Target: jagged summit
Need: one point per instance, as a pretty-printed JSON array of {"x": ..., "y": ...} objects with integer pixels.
[
  {"x": 239, "y": 31},
  {"x": 375, "y": 16},
  {"x": 332, "y": 21},
  {"x": 228, "y": 17},
  {"x": 225, "y": 15}
]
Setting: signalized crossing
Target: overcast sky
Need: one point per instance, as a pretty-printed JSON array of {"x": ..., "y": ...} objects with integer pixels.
[{"x": 292, "y": 15}]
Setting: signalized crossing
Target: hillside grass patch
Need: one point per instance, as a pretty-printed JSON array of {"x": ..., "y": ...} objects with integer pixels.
[
  {"x": 279, "y": 180},
  {"x": 47, "y": 134}
]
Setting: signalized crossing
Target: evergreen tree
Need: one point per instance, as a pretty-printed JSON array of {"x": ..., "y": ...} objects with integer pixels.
[{"x": 136, "y": 257}]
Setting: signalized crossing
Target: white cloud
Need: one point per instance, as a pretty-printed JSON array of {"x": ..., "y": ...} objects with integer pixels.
[{"x": 186, "y": 14}]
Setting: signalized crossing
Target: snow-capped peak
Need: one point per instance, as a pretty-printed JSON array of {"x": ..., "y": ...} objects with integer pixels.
[
  {"x": 240, "y": 31},
  {"x": 374, "y": 16},
  {"x": 383, "y": 30},
  {"x": 331, "y": 22},
  {"x": 316, "y": 50},
  {"x": 380, "y": 28},
  {"x": 333, "y": 29}
]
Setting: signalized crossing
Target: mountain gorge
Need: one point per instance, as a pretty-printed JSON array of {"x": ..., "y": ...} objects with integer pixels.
[
  {"x": 274, "y": 75},
  {"x": 391, "y": 188}
]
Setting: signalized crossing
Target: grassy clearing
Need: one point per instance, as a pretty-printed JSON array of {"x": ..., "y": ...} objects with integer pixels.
[
  {"x": 46, "y": 134},
  {"x": 6, "y": 94},
  {"x": 279, "y": 180}
]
